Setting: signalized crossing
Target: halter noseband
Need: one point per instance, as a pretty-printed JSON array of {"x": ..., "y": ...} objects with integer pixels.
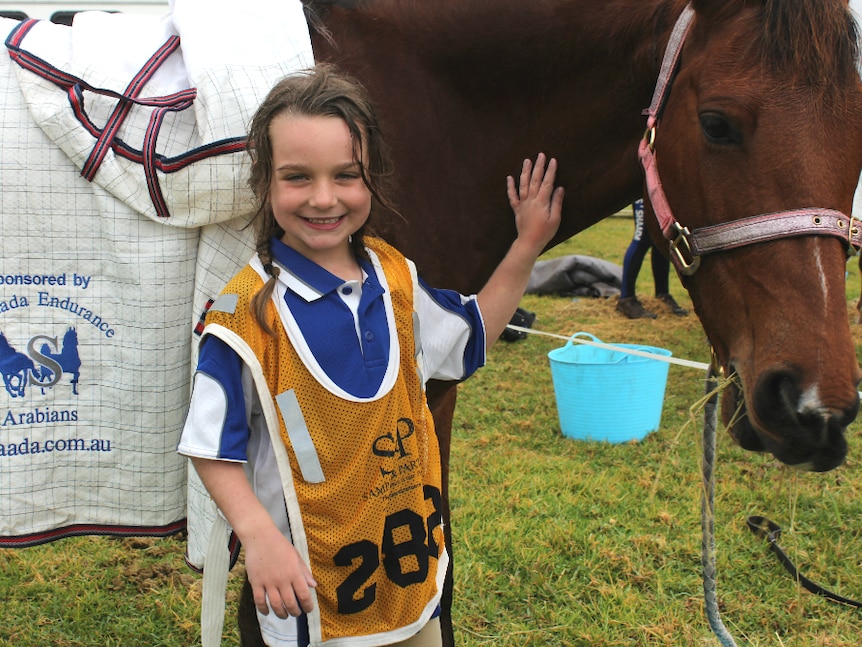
[{"x": 687, "y": 247}]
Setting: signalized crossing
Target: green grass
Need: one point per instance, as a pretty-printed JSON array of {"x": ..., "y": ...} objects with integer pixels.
[{"x": 557, "y": 541}]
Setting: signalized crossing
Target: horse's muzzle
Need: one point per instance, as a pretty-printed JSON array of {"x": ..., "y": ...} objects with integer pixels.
[{"x": 774, "y": 419}]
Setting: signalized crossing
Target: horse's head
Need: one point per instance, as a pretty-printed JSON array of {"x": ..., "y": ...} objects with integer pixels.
[{"x": 765, "y": 116}]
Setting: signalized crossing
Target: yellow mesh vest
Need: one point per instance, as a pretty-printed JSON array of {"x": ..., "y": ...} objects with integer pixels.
[{"x": 373, "y": 525}]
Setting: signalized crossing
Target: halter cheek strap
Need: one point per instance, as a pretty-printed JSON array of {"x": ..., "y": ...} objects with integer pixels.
[{"x": 687, "y": 247}]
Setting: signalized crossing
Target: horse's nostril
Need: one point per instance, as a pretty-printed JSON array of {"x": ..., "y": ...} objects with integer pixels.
[
  {"x": 776, "y": 399},
  {"x": 795, "y": 425}
]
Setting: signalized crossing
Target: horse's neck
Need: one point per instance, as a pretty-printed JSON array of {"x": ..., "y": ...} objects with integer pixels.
[
  {"x": 578, "y": 25},
  {"x": 613, "y": 46},
  {"x": 497, "y": 76}
]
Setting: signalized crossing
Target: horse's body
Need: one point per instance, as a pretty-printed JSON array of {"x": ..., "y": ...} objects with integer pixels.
[
  {"x": 467, "y": 90},
  {"x": 765, "y": 115}
]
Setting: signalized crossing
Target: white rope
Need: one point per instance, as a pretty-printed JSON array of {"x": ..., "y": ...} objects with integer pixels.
[{"x": 631, "y": 351}]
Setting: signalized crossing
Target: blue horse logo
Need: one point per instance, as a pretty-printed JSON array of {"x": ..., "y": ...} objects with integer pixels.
[
  {"x": 52, "y": 364},
  {"x": 53, "y": 360},
  {"x": 15, "y": 367}
]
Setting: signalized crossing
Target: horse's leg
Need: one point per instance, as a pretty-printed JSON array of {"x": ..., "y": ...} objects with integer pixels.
[
  {"x": 75, "y": 377},
  {"x": 249, "y": 629},
  {"x": 441, "y": 399},
  {"x": 17, "y": 384}
]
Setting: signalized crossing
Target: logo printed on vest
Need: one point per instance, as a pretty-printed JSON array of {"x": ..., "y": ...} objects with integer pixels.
[{"x": 388, "y": 445}]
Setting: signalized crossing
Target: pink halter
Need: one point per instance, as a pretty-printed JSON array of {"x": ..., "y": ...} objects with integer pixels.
[{"x": 686, "y": 247}]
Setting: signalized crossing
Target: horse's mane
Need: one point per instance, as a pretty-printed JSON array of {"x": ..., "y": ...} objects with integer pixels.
[
  {"x": 315, "y": 11},
  {"x": 810, "y": 39}
]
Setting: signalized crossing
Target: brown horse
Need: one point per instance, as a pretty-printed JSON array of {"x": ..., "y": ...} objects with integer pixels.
[{"x": 764, "y": 115}]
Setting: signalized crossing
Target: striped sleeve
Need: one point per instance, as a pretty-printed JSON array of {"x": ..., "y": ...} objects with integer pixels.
[
  {"x": 216, "y": 426},
  {"x": 452, "y": 333}
]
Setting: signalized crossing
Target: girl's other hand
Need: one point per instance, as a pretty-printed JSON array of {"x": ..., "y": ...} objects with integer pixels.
[{"x": 279, "y": 578}]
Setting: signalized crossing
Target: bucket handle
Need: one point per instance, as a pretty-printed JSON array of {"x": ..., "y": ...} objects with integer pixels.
[
  {"x": 590, "y": 336},
  {"x": 623, "y": 357}
]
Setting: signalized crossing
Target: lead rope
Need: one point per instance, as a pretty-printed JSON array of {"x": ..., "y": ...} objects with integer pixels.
[{"x": 707, "y": 512}]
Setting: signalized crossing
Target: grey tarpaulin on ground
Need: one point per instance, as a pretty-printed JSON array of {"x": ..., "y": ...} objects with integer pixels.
[{"x": 576, "y": 275}]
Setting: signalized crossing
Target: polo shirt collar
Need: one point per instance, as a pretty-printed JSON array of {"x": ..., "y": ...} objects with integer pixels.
[{"x": 306, "y": 278}]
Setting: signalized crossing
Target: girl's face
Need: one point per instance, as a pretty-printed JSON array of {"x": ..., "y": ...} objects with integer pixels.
[{"x": 317, "y": 193}]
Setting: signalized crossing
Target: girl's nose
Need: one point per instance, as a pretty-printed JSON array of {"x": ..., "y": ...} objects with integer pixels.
[{"x": 323, "y": 196}]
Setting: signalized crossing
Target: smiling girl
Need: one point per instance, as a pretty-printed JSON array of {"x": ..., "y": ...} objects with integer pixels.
[{"x": 308, "y": 421}]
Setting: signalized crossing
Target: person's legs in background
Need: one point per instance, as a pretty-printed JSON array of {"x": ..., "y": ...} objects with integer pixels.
[
  {"x": 632, "y": 262},
  {"x": 661, "y": 274}
]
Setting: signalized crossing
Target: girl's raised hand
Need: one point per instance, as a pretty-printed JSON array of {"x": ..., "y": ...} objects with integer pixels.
[
  {"x": 537, "y": 206},
  {"x": 536, "y": 202}
]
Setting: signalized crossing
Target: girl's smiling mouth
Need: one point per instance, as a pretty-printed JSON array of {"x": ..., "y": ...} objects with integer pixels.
[{"x": 323, "y": 222}]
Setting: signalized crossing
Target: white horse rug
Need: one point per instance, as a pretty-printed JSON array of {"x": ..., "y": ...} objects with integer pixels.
[{"x": 122, "y": 202}]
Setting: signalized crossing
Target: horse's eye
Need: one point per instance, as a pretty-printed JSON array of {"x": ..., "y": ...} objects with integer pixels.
[{"x": 717, "y": 129}]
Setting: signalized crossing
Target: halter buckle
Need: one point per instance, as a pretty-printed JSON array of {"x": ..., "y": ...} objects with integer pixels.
[
  {"x": 853, "y": 230},
  {"x": 649, "y": 137},
  {"x": 715, "y": 363},
  {"x": 684, "y": 259}
]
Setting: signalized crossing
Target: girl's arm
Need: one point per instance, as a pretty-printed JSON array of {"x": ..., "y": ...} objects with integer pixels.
[
  {"x": 275, "y": 569},
  {"x": 537, "y": 206}
]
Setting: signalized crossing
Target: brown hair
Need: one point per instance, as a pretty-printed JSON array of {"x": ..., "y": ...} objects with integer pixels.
[{"x": 321, "y": 91}]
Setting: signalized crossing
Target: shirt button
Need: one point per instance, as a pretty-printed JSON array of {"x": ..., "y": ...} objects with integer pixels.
[
  {"x": 369, "y": 336},
  {"x": 347, "y": 290}
]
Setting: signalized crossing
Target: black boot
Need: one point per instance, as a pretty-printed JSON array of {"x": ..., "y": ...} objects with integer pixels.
[{"x": 633, "y": 309}]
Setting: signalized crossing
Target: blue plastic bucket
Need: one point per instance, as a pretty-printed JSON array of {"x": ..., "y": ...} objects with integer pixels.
[{"x": 607, "y": 395}]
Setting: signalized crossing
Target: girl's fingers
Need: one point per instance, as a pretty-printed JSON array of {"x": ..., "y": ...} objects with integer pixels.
[
  {"x": 549, "y": 176},
  {"x": 290, "y": 606},
  {"x": 526, "y": 171},
  {"x": 281, "y": 605},
  {"x": 536, "y": 180},
  {"x": 511, "y": 192},
  {"x": 551, "y": 173},
  {"x": 304, "y": 599},
  {"x": 538, "y": 171},
  {"x": 260, "y": 601}
]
